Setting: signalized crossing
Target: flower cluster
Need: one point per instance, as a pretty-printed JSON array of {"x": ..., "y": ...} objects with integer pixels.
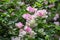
[{"x": 30, "y": 21}]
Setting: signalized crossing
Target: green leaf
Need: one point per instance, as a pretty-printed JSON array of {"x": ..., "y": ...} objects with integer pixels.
[
  {"x": 57, "y": 27},
  {"x": 52, "y": 1},
  {"x": 38, "y": 4},
  {"x": 47, "y": 37}
]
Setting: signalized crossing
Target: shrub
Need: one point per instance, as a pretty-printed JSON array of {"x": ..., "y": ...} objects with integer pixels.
[{"x": 41, "y": 16}]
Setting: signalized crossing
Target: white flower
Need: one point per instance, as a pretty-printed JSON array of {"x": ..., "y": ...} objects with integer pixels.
[
  {"x": 56, "y": 23},
  {"x": 22, "y": 32},
  {"x": 15, "y": 38}
]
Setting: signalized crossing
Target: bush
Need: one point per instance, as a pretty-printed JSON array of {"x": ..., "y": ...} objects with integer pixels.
[{"x": 11, "y": 11}]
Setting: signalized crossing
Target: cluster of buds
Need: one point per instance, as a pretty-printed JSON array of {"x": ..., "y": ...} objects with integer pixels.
[{"x": 30, "y": 21}]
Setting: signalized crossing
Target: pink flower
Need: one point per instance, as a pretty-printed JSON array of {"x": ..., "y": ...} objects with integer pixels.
[
  {"x": 27, "y": 29},
  {"x": 30, "y": 9},
  {"x": 19, "y": 25},
  {"x": 40, "y": 13},
  {"x": 27, "y": 16}
]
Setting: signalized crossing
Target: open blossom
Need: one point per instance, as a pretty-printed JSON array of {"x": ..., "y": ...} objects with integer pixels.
[
  {"x": 19, "y": 25},
  {"x": 27, "y": 16},
  {"x": 41, "y": 13},
  {"x": 27, "y": 29},
  {"x": 30, "y": 9}
]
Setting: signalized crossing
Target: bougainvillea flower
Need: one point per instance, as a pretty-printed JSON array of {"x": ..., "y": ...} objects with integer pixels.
[
  {"x": 19, "y": 25},
  {"x": 27, "y": 29},
  {"x": 27, "y": 16},
  {"x": 41, "y": 13},
  {"x": 30, "y": 9}
]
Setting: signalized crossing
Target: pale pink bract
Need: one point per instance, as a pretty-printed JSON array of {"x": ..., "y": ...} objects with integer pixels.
[
  {"x": 27, "y": 16},
  {"x": 30, "y": 9},
  {"x": 27, "y": 29},
  {"x": 19, "y": 25},
  {"x": 40, "y": 13}
]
